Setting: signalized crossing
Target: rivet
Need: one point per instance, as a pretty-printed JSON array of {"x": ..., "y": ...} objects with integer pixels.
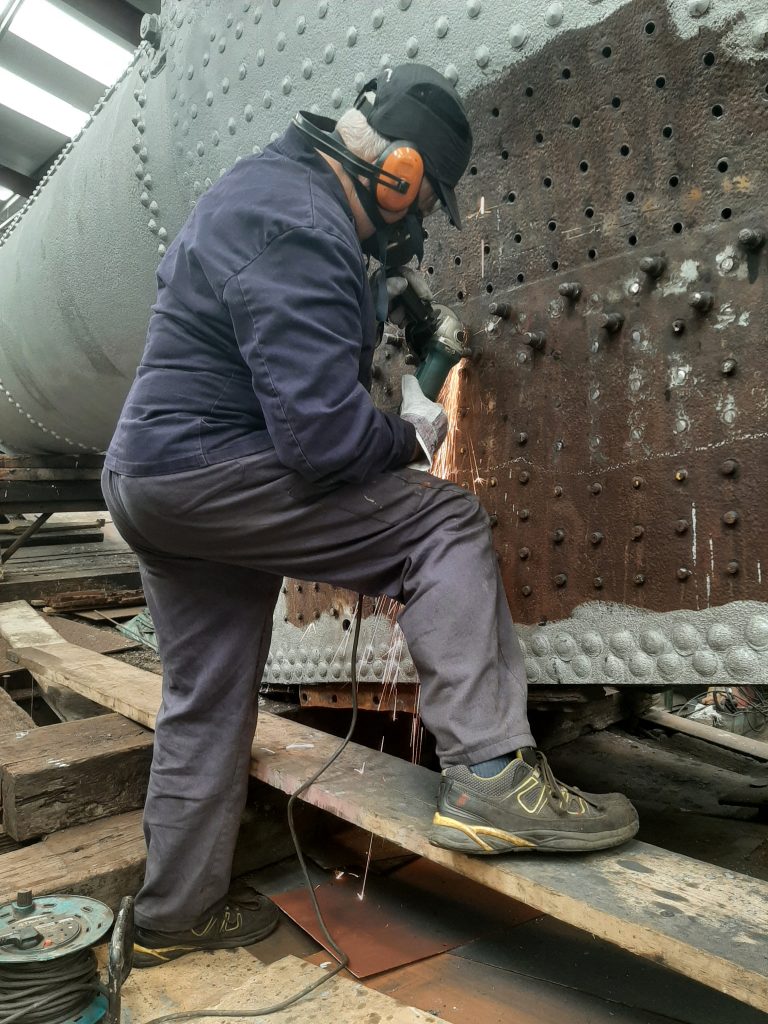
[
  {"x": 570, "y": 289},
  {"x": 752, "y": 238},
  {"x": 731, "y": 518},
  {"x": 306, "y": 69},
  {"x": 558, "y": 535},
  {"x": 597, "y": 582},
  {"x": 697, "y": 8},
  {"x": 678, "y": 326},
  {"x": 733, "y": 568},
  {"x": 154, "y": 209},
  {"x": 639, "y": 579},
  {"x": 231, "y": 126},
  {"x": 729, "y": 467},
  {"x": 493, "y": 481},
  {"x": 242, "y": 71},
  {"x": 248, "y": 112},
  {"x": 144, "y": 199},
  {"x": 322, "y": 8},
  {"x": 760, "y": 34},
  {"x": 596, "y": 537},
  {"x": 596, "y": 488},
  {"x": 473, "y": 8},
  {"x": 152, "y": 225},
  {"x": 404, "y": 4},
  {"x": 681, "y": 526},
  {"x": 337, "y": 98},
  {"x": 260, "y": 55},
  {"x": 225, "y": 85},
  {"x": 500, "y": 309},
  {"x": 267, "y": 100},
  {"x": 287, "y": 85},
  {"x": 482, "y": 56},
  {"x": 681, "y": 475},
  {"x": 702, "y": 301},
  {"x": 351, "y": 35},
  {"x": 238, "y": 30},
  {"x": 522, "y": 437},
  {"x": 200, "y": 148},
  {"x": 728, "y": 367},
  {"x": 554, "y": 15},
  {"x": 493, "y": 520},
  {"x": 526, "y": 591},
  {"x": 683, "y": 573},
  {"x": 524, "y": 476},
  {"x": 441, "y": 27},
  {"x": 611, "y": 322},
  {"x": 560, "y": 580},
  {"x": 558, "y": 491},
  {"x": 222, "y": 45},
  {"x": 377, "y": 18},
  {"x": 517, "y": 36},
  {"x": 524, "y": 553},
  {"x": 301, "y": 25},
  {"x": 637, "y": 482},
  {"x": 451, "y": 73},
  {"x": 412, "y": 46},
  {"x": 653, "y": 266},
  {"x": 329, "y": 53},
  {"x": 524, "y": 513}
]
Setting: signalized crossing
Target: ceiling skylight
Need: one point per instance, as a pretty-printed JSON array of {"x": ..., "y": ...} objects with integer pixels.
[
  {"x": 39, "y": 105},
  {"x": 5, "y": 193},
  {"x": 62, "y": 36}
]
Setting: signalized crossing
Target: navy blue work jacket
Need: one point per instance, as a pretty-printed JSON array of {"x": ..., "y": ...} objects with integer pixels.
[{"x": 263, "y": 333}]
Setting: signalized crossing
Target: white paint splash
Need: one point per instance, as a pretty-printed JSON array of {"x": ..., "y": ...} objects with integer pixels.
[{"x": 693, "y": 531}]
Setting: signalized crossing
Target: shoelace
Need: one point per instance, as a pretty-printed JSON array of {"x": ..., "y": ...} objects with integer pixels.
[{"x": 557, "y": 792}]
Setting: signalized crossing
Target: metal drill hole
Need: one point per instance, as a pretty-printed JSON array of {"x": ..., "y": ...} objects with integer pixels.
[
  {"x": 632, "y": 239},
  {"x": 583, "y": 166},
  {"x": 607, "y": 51},
  {"x": 717, "y": 110},
  {"x": 495, "y": 112},
  {"x": 722, "y": 166},
  {"x": 589, "y": 212},
  {"x": 528, "y": 91},
  {"x": 677, "y": 228},
  {"x": 511, "y": 197},
  {"x": 592, "y": 254},
  {"x": 575, "y": 121},
  {"x": 473, "y": 169},
  {"x": 650, "y": 28},
  {"x": 518, "y": 238},
  {"x": 674, "y": 181},
  {"x": 726, "y": 213},
  {"x": 709, "y": 58},
  {"x": 555, "y": 265},
  {"x": 489, "y": 288},
  {"x": 520, "y": 278},
  {"x": 624, "y": 150},
  {"x": 504, "y": 154},
  {"x": 565, "y": 73},
  {"x": 616, "y": 102},
  {"x": 552, "y": 225},
  {"x": 430, "y": 270},
  {"x": 666, "y": 131},
  {"x": 547, "y": 183},
  {"x": 661, "y": 82},
  {"x": 457, "y": 260},
  {"x": 630, "y": 197},
  {"x": 346, "y": 623},
  {"x": 460, "y": 296},
  {"x": 539, "y": 136},
  {"x": 486, "y": 249}
]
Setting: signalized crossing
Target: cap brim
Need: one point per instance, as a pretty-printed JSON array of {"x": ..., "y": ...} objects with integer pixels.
[{"x": 447, "y": 197}]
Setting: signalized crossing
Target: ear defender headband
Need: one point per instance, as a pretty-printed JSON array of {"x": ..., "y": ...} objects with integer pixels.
[{"x": 395, "y": 177}]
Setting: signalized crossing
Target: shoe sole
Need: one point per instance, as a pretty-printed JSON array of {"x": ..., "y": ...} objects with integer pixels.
[
  {"x": 146, "y": 956},
  {"x": 484, "y": 840}
]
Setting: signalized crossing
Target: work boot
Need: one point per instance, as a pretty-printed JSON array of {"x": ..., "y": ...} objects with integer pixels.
[
  {"x": 524, "y": 807},
  {"x": 232, "y": 925}
]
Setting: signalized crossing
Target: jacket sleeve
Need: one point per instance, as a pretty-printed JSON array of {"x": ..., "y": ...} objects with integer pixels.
[{"x": 296, "y": 312}]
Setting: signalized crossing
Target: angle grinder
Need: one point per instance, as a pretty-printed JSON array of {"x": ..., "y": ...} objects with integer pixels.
[
  {"x": 436, "y": 337},
  {"x": 48, "y": 970}
]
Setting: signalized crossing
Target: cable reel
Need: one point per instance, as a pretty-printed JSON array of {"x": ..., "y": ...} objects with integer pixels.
[{"x": 48, "y": 969}]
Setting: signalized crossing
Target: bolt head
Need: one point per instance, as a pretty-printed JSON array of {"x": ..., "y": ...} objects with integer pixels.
[
  {"x": 522, "y": 437},
  {"x": 678, "y": 326},
  {"x": 683, "y": 573},
  {"x": 596, "y": 537},
  {"x": 733, "y": 568},
  {"x": 598, "y": 582},
  {"x": 638, "y": 532},
  {"x": 524, "y": 513},
  {"x": 558, "y": 491},
  {"x": 524, "y": 476},
  {"x": 637, "y": 482},
  {"x": 596, "y": 488},
  {"x": 731, "y": 518},
  {"x": 728, "y": 367},
  {"x": 526, "y": 591},
  {"x": 561, "y": 579},
  {"x": 639, "y": 579},
  {"x": 681, "y": 475},
  {"x": 681, "y": 526},
  {"x": 729, "y": 467},
  {"x": 524, "y": 553}
]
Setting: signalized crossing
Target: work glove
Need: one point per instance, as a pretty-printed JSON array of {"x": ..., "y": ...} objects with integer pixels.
[
  {"x": 397, "y": 284},
  {"x": 428, "y": 417}
]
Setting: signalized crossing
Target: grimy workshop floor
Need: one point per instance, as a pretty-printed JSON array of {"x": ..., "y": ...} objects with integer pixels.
[{"x": 511, "y": 966}]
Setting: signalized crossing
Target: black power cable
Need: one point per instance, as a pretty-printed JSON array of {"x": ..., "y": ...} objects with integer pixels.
[
  {"x": 340, "y": 956},
  {"x": 48, "y": 991}
]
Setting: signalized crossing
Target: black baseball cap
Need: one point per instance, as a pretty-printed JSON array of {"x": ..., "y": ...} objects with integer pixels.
[{"x": 416, "y": 103}]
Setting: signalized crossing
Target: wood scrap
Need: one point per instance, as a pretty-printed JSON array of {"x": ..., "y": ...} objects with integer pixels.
[
  {"x": 75, "y": 600},
  {"x": 72, "y": 773},
  {"x": 607, "y": 706},
  {"x": 696, "y": 919},
  {"x": 720, "y": 737}
]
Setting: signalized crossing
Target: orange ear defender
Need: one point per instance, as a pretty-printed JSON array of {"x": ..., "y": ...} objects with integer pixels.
[{"x": 399, "y": 160}]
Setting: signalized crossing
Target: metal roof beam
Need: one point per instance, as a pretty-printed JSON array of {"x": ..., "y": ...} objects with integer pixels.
[
  {"x": 117, "y": 16},
  {"x": 21, "y": 184}
]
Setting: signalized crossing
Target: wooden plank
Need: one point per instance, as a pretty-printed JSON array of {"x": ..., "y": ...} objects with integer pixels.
[
  {"x": 104, "y": 860},
  {"x": 720, "y": 737},
  {"x": 14, "y": 721},
  {"x": 696, "y": 919},
  {"x": 73, "y": 773}
]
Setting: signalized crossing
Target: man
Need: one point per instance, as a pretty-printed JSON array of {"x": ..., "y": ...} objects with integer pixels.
[{"x": 249, "y": 448}]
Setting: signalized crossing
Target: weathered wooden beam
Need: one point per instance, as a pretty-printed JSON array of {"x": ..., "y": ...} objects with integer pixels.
[
  {"x": 73, "y": 773},
  {"x": 720, "y": 737},
  {"x": 14, "y": 721},
  {"x": 694, "y": 918}
]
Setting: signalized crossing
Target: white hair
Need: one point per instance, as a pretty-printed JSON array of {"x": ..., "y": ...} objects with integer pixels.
[{"x": 358, "y": 135}]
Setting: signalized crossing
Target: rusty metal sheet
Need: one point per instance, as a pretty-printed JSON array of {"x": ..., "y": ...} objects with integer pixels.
[{"x": 393, "y": 697}]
